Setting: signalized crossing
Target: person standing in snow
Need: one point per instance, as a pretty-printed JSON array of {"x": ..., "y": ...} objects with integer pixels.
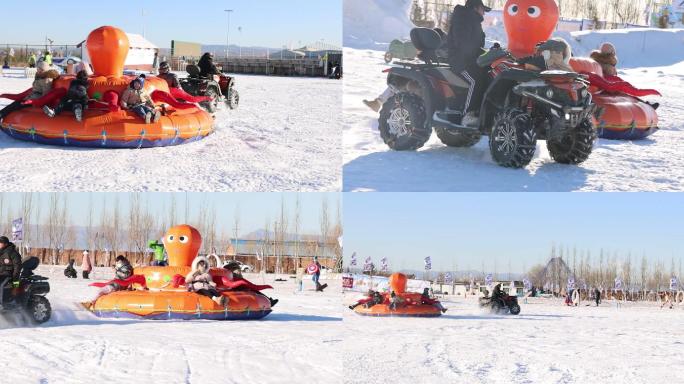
[
  {"x": 155, "y": 63},
  {"x": 316, "y": 276},
  {"x": 10, "y": 266},
  {"x": 32, "y": 60},
  {"x": 86, "y": 265},
  {"x": 597, "y": 296},
  {"x": 466, "y": 41}
]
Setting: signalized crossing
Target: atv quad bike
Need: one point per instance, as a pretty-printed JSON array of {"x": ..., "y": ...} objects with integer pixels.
[
  {"x": 29, "y": 296},
  {"x": 218, "y": 88},
  {"x": 519, "y": 107},
  {"x": 501, "y": 305}
]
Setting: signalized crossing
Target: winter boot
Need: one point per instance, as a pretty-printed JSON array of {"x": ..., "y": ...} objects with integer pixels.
[
  {"x": 148, "y": 117},
  {"x": 273, "y": 301},
  {"x": 375, "y": 105},
  {"x": 78, "y": 112},
  {"x": 155, "y": 116},
  {"x": 220, "y": 300},
  {"x": 49, "y": 111}
]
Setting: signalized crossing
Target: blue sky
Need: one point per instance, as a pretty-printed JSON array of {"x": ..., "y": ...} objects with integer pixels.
[
  {"x": 254, "y": 208},
  {"x": 465, "y": 229},
  {"x": 270, "y": 23}
]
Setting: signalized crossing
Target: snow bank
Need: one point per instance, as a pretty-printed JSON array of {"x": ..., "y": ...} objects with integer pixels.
[{"x": 374, "y": 24}]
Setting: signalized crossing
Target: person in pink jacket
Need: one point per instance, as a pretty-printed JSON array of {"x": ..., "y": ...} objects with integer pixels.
[{"x": 86, "y": 265}]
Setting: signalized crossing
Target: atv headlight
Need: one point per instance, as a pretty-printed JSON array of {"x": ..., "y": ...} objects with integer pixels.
[{"x": 549, "y": 93}]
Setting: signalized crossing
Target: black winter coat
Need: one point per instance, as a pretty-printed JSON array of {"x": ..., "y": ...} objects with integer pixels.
[
  {"x": 10, "y": 261},
  {"x": 466, "y": 38},
  {"x": 171, "y": 79},
  {"x": 207, "y": 67}
]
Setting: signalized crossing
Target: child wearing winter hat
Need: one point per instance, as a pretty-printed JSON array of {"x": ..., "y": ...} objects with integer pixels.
[
  {"x": 138, "y": 100},
  {"x": 76, "y": 99},
  {"x": 608, "y": 59}
]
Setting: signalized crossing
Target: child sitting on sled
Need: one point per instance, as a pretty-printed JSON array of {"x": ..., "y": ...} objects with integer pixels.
[
  {"x": 76, "y": 99},
  {"x": 138, "y": 100},
  {"x": 200, "y": 281}
]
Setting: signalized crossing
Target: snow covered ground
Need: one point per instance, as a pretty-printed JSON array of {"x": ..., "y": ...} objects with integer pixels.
[
  {"x": 285, "y": 136},
  {"x": 547, "y": 343},
  {"x": 655, "y": 164},
  {"x": 298, "y": 342}
]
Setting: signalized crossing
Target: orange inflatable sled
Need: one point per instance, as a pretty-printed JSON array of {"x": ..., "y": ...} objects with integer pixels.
[
  {"x": 110, "y": 127},
  {"x": 163, "y": 300},
  {"x": 410, "y": 303},
  {"x": 625, "y": 117}
]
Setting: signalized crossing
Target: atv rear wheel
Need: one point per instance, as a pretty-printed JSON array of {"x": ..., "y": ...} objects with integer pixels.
[
  {"x": 457, "y": 139},
  {"x": 39, "y": 309},
  {"x": 402, "y": 122},
  {"x": 513, "y": 139},
  {"x": 232, "y": 98},
  {"x": 575, "y": 147},
  {"x": 388, "y": 57},
  {"x": 515, "y": 309}
]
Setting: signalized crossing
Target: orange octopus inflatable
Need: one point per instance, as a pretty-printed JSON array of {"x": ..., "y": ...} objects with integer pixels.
[
  {"x": 161, "y": 293},
  {"x": 527, "y": 23},
  {"x": 104, "y": 124}
]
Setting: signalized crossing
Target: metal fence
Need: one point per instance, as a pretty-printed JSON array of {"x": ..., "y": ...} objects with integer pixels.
[{"x": 21, "y": 52}]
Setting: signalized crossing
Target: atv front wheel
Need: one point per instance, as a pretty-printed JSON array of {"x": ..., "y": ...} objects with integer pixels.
[
  {"x": 232, "y": 98},
  {"x": 575, "y": 147},
  {"x": 212, "y": 105},
  {"x": 39, "y": 309},
  {"x": 388, "y": 57},
  {"x": 496, "y": 307},
  {"x": 402, "y": 122},
  {"x": 513, "y": 140},
  {"x": 515, "y": 309},
  {"x": 457, "y": 139}
]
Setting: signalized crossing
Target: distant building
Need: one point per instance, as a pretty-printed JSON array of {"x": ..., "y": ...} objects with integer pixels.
[{"x": 140, "y": 53}]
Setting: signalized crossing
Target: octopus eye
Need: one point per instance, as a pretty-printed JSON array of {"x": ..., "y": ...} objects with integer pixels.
[
  {"x": 170, "y": 238},
  {"x": 513, "y": 10},
  {"x": 534, "y": 11},
  {"x": 183, "y": 239}
]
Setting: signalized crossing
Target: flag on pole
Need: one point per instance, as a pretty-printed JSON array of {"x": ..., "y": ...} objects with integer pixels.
[
  {"x": 368, "y": 264},
  {"x": 428, "y": 263},
  {"x": 527, "y": 284},
  {"x": 673, "y": 283},
  {"x": 489, "y": 279},
  {"x": 352, "y": 262},
  {"x": 18, "y": 229},
  {"x": 448, "y": 278},
  {"x": 383, "y": 264},
  {"x": 571, "y": 283},
  {"x": 618, "y": 284}
]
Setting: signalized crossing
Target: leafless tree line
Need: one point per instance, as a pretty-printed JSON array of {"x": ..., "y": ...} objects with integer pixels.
[
  {"x": 612, "y": 12},
  {"x": 638, "y": 273},
  {"x": 108, "y": 227}
]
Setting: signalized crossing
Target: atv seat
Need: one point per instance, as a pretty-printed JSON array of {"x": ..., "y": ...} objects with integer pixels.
[
  {"x": 28, "y": 266},
  {"x": 193, "y": 71},
  {"x": 427, "y": 41}
]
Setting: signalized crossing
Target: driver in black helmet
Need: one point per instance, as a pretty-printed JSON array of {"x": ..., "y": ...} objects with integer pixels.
[
  {"x": 206, "y": 65},
  {"x": 166, "y": 74},
  {"x": 466, "y": 41}
]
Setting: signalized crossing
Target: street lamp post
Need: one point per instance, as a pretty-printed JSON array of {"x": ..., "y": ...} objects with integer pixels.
[{"x": 228, "y": 12}]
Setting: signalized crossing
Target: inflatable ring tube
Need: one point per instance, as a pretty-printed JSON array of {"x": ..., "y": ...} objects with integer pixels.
[
  {"x": 383, "y": 310},
  {"x": 163, "y": 305},
  {"x": 625, "y": 118},
  {"x": 410, "y": 308},
  {"x": 104, "y": 129},
  {"x": 163, "y": 301}
]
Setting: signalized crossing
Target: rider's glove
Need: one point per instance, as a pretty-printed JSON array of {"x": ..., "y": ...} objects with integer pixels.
[
  {"x": 15, "y": 284},
  {"x": 496, "y": 45}
]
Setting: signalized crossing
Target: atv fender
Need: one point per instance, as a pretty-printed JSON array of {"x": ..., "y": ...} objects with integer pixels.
[{"x": 397, "y": 74}]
